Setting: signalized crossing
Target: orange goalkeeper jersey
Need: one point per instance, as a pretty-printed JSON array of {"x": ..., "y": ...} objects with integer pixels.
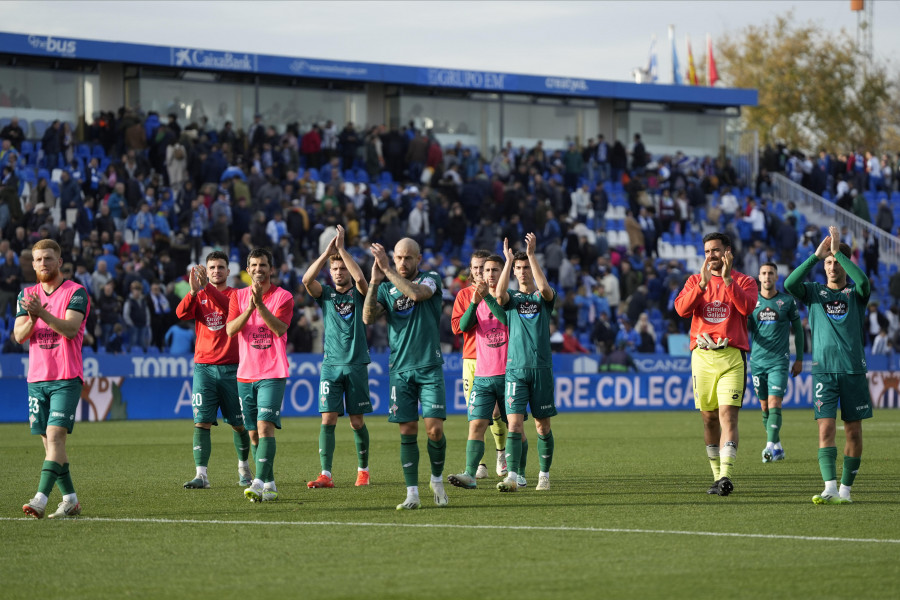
[
  {"x": 719, "y": 311},
  {"x": 463, "y": 299}
]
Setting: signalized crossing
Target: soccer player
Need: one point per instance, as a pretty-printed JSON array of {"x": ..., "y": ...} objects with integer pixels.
[
  {"x": 344, "y": 377},
  {"x": 215, "y": 366},
  {"x": 488, "y": 322},
  {"x": 529, "y": 367},
  {"x": 719, "y": 300},
  {"x": 259, "y": 315},
  {"x": 460, "y": 305},
  {"x": 411, "y": 300},
  {"x": 770, "y": 326},
  {"x": 51, "y": 314},
  {"x": 836, "y": 319}
]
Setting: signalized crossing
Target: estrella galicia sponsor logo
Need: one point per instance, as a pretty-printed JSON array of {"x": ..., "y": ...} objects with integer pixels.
[
  {"x": 344, "y": 309},
  {"x": 53, "y": 45},
  {"x": 528, "y": 309},
  {"x": 716, "y": 312},
  {"x": 496, "y": 337},
  {"x": 404, "y": 306},
  {"x": 836, "y": 310},
  {"x": 767, "y": 316},
  {"x": 261, "y": 339},
  {"x": 214, "y": 321},
  {"x": 186, "y": 57},
  {"x": 46, "y": 338}
]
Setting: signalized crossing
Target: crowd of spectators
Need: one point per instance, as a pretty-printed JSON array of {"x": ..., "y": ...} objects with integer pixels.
[{"x": 143, "y": 198}]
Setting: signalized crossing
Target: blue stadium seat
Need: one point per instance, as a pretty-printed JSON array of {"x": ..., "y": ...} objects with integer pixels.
[
  {"x": 362, "y": 176},
  {"x": 386, "y": 177},
  {"x": 98, "y": 152},
  {"x": 39, "y": 126}
]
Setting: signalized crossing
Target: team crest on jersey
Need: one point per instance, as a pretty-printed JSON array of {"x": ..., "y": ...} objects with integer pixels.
[
  {"x": 836, "y": 310},
  {"x": 528, "y": 309},
  {"x": 823, "y": 293},
  {"x": 345, "y": 309},
  {"x": 202, "y": 300},
  {"x": 780, "y": 303},
  {"x": 716, "y": 312}
]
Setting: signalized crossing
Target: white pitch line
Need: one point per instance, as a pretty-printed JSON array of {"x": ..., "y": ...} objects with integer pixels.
[{"x": 767, "y": 536}]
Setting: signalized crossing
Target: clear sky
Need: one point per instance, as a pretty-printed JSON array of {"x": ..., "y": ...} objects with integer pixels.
[{"x": 594, "y": 40}]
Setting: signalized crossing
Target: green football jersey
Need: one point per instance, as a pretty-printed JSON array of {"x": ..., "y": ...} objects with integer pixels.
[
  {"x": 770, "y": 326},
  {"x": 413, "y": 327},
  {"x": 529, "y": 330},
  {"x": 345, "y": 332},
  {"x": 836, "y": 318}
]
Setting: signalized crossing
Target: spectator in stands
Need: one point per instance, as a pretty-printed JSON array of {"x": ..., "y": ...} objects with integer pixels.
[
  {"x": 875, "y": 321},
  {"x": 136, "y": 315},
  {"x": 639, "y": 158},
  {"x": 42, "y": 192},
  {"x": 574, "y": 165},
  {"x": 648, "y": 335},
  {"x": 570, "y": 343},
  {"x": 51, "y": 145},
  {"x": 14, "y": 133},
  {"x": 870, "y": 253},
  {"x": 881, "y": 344},
  {"x": 109, "y": 304},
  {"x": 884, "y": 218},
  {"x": 179, "y": 339},
  {"x": 10, "y": 283},
  {"x": 619, "y": 360},
  {"x": 70, "y": 195},
  {"x": 161, "y": 316},
  {"x": 627, "y": 335}
]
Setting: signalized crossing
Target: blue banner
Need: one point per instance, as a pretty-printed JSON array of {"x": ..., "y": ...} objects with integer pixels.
[
  {"x": 113, "y": 398},
  {"x": 248, "y": 62}
]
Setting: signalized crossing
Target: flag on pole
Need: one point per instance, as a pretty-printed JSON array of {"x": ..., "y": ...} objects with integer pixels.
[
  {"x": 712, "y": 75},
  {"x": 692, "y": 71},
  {"x": 676, "y": 69},
  {"x": 652, "y": 62}
]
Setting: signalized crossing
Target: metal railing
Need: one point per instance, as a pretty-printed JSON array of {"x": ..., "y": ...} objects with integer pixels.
[{"x": 819, "y": 210}]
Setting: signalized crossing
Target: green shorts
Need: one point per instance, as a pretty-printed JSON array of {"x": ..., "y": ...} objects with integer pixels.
[
  {"x": 770, "y": 381},
  {"x": 214, "y": 389},
  {"x": 530, "y": 388},
  {"x": 261, "y": 401},
  {"x": 851, "y": 390},
  {"x": 408, "y": 388},
  {"x": 486, "y": 393},
  {"x": 344, "y": 385},
  {"x": 53, "y": 403}
]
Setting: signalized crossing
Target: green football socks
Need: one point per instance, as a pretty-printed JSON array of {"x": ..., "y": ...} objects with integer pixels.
[
  {"x": 242, "y": 444},
  {"x": 49, "y": 474},
  {"x": 773, "y": 426},
  {"x": 64, "y": 481},
  {"x": 362, "y": 446},
  {"x": 523, "y": 457},
  {"x": 545, "y": 451},
  {"x": 513, "y": 451},
  {"x": 326, "y": 446},
  {"x": 254, "y": 448},
  {"x": 202, "y": 447},
  {"x": 827, "y": 459},
  {"x": 765, "y": 416},
  {"x": 265, "y": 459},
  {"x": 474, "y": 454},
  {"x": 851, "y": 466},
  {"x": 437, "y": 454},
  {"x": 409, "y": 459}
]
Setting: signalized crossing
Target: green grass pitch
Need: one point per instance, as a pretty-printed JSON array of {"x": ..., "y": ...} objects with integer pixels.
[{"x": 627, "y": 516}]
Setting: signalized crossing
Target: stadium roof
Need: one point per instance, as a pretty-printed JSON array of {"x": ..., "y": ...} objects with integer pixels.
[{"x": 484, "y": 81}]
